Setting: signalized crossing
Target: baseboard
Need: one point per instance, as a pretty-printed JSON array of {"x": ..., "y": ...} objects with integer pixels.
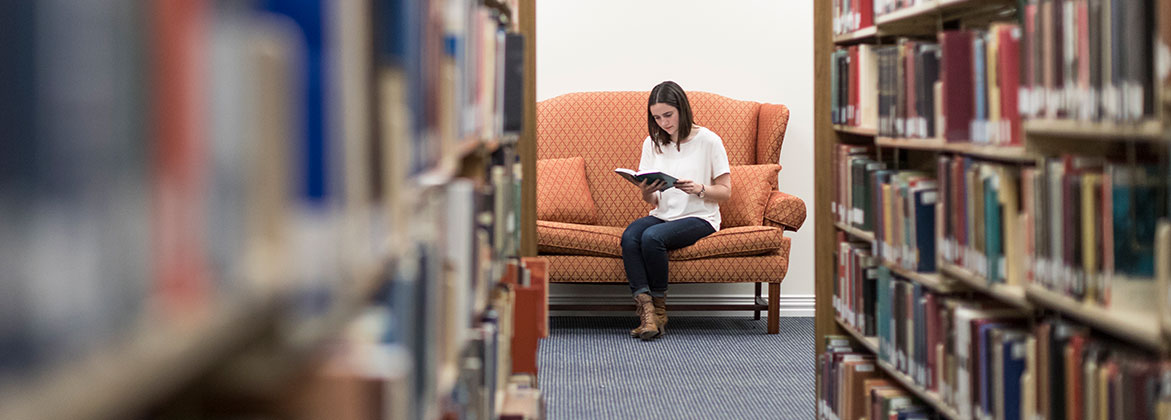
[{"x": 790, "y": 305}]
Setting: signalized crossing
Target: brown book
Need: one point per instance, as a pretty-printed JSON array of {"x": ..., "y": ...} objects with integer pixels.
[
  {"x": 1074, "y": 380},
  {"x": 854, "y": 397}
]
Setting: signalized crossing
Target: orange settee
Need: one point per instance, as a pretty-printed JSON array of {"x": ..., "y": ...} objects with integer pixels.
[{"x": 583, "y": 206}]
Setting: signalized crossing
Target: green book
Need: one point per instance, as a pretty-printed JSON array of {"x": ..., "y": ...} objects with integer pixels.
[{"x": 637, "y": 177}]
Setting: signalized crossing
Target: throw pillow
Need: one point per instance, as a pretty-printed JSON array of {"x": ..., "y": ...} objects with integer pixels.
[
  {"x": 563, "y": 195},
  {"x": 751, "y": 187}
]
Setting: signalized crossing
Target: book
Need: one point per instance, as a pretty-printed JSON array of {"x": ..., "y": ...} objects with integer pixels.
[{"x": 636, "y": 177}]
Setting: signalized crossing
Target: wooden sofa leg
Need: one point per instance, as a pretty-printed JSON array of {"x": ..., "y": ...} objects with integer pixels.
[
  {"x": 774, "y": 308},
  {"x": 755, "y": 300}
]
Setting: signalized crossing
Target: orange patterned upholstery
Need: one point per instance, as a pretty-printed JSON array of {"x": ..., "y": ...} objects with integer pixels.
[
  {"x": 606, "y": 129},
  {"x": 563, "y": 195},
  {"x": 769, "y": 268},
  {"x": 575, "y": 239},
  {"x": 606, "y": 241},
  {"x": 785, "y": 210},
  {"x": 751, "y": 186},
  {"x": 733, "y": 242}
]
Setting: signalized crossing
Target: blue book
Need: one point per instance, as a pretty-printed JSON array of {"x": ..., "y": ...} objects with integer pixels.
[
  {"x": 1014, "y": 368},
  {"x": 984, "y": 348},
  {"x": 914, "y": 413},
  {"x": 925, "y": 200},
  {"x": 313, "y": 150},
  {"x": 1136, "y": 208}
]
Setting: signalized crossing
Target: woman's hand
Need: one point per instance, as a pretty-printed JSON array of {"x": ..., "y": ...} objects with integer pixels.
[
  {"x": 649, "y": 188},
  {"x": 688, "y": 186}
]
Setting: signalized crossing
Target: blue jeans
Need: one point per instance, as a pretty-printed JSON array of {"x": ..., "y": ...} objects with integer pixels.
[{"x": 644, "y": 249}]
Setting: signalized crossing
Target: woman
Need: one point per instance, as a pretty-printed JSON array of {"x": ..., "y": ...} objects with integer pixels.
[{"x": 683, "y": 214}]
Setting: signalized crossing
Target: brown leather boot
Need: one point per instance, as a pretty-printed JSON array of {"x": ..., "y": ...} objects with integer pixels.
[
  {"x": 649, "y": 327},
  {"x": 660, "y": 304},
  {"x": 637, "y": 332}
]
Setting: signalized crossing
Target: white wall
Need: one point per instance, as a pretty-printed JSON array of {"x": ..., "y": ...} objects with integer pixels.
[{"x": 758, "y": 50}]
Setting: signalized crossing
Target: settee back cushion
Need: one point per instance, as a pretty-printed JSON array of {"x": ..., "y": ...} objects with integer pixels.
[{"x": 607, "y": 129}]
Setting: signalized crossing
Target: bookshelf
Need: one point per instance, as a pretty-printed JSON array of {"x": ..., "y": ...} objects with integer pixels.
[
  {"x": 1018, "y": 193},
  {"x": 1150, "y": 130},
  {"x": 857, "y": 36},
  {"x": 1000, "y": 153},
  {"x": 871, "y": 343},
  {"x": 276, "y": 189},
  {"x": 855, "y": 232},
  {"x": 155, "y": 360},
  {"x": 1012, "y": 295},
  {"x": 858, "y": 131},
  {"x": 1137, "y": 327}
]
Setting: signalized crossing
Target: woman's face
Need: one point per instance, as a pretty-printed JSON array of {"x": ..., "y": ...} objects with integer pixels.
[{"x": 667, "y": 117}]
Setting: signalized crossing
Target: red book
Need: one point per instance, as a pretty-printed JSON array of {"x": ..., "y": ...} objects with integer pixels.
[
  {"x": 1008, "y": 77},
  {"x": 866, "y": 18},
  {"x": 956, "y": 74},
  {"x": 959, "y": 209},
  {"x": 530, "y": 314},
  {"x": 180, "y": 260}
]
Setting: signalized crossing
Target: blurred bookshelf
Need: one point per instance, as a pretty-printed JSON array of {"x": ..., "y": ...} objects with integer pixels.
[
  {"x": 1020, "y": 160},
  {"x": 269, "y": 209},
  {"x": 1012, "y": 295}
]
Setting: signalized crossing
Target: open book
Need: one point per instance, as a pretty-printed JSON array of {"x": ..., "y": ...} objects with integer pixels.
[{"x": 649, "y": 175}]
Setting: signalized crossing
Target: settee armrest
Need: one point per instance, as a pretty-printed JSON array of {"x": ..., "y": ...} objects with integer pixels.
[{"x": 784, "y": 210}]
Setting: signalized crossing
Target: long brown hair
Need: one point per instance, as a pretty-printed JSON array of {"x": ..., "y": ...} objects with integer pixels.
[{"x": 671, "y": 94}]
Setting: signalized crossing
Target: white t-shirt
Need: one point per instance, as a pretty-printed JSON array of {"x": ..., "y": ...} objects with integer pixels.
[{"x": 702, "y": 159}]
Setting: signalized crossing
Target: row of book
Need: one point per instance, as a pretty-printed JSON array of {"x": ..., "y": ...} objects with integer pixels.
[
  {"x": 852, "y": 15},
  {"x": 898, "y": 206},
  {"x": 1081, "y": 226},
  {"x": 167, "y": 158},
  {"x": 1090, "y": 59},
  {"x": 855, "y": 285},
  {"x": 855, "y": 15},
  {"x": 455, "y": 72},
  {"x": 990, "y": 362},
  {"x": 1066, "y": 59},
  {"x": 385, "y": 367},
  {"x": 961, "y": 88},
  {"x": 854, "y": 387},
  {"x": 124, "y": 196}
]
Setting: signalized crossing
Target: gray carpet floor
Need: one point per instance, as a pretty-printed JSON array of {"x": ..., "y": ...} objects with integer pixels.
[{"x": 704, "y": 368}]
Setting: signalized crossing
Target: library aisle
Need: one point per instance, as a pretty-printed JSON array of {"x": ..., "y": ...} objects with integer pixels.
[
  {"x": 268, "y": 209},
  {"x": 993, "y": 238}
]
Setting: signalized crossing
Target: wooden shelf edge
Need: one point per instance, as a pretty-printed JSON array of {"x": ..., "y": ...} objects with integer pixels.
[
  {"x": 858, "y": 35},
  {"x": 871, "y": 343},
  {"x": 993, "y": 152},
  {"x": 907, "y": 13},
  {"x": 855, "y": 232},
  {"x": 910, "y": 143},
  {"x": 932, "y": 281},
  {"x": 859, "y": 131},
  {"x": 929, "y": 397},
  {"x": 1149, "y": 334},
  {"x": 1012, "y": 295},
  {"x": 150, "y": 362},
  {"x": 1150, "y": 129}
]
